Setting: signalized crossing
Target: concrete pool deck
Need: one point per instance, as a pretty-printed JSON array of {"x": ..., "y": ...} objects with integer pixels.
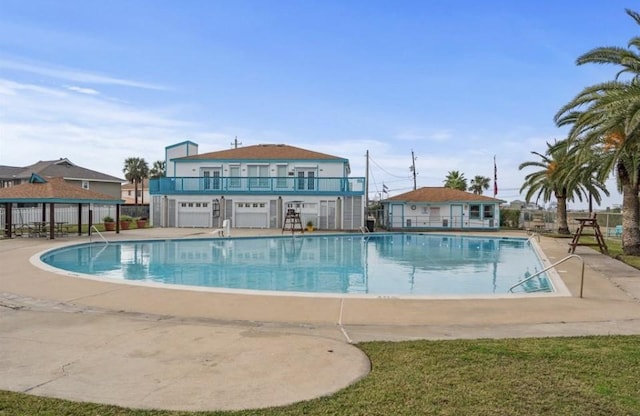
[{"x": 148, "y": 347}]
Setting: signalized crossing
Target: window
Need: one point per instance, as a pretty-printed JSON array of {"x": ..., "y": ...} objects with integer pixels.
[
  {"x": 282, "y": 176},
  {"x": 474, "y": 212},
  {"x": 85, "y": 184},
  {"x": 258, "y": 176},
  {"x": 310, "y": 181},
  {"x": 488, "y": 211},
  {"x": 234, "y": 173}
]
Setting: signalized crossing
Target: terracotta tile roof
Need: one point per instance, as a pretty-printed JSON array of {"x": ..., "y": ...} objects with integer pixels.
[
  {"x": 441, "y": 194},
  {"x": 54, "y": 190},
  {"x": 264, "y": 152}
]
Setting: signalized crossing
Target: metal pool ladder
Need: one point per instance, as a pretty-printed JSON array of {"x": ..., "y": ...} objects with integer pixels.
[
  {"x": 551, "y": 267},
  {"x": 93, "y": 227}
]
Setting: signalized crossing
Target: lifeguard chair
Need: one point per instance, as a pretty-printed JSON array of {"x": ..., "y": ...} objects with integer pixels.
[{"x": 292, "y": 221}]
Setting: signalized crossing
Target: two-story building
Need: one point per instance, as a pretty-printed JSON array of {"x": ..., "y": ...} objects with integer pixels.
[
  {"x": 62, "y": 168},
  {"x": 254, "y": 187}
]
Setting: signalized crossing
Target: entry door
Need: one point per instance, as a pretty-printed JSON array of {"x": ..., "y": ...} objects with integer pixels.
[
  {"x": 456, "y": 216},
  {"x": 211, "y": 178},
  {"x": 306, "y": 180}
]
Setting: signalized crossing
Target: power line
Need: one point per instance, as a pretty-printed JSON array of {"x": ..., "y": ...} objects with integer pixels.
[{"x": 384, "y": 170}]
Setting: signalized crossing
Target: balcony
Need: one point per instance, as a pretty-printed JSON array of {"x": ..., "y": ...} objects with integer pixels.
[{"x": 257, "y": 185}]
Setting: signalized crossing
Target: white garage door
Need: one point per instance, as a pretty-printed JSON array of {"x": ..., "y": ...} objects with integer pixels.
[
  {"x": 194, "y": 214},
  {"x": 252, "y": 220}
]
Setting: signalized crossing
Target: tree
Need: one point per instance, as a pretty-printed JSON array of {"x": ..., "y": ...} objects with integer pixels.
[
  {"x": 455, "y": 180},
  {"x": 558, "y": 177},
  {"x": 158, "y": 169},
  {"x": 606, "y": 116},
  {"x": 479, "y": 184},
  {"x": 136, "y": 170},
  {"x": 626, "y": 166}
]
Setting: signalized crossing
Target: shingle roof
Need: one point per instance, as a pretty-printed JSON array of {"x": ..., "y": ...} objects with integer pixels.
[
  {"x": 441, "y": 194},
  {"x": 64, "y": 168},
  {"x": 7, "y": 172},
  {"x": 54, "y": 190},
  {"x": 265, "y": 152}
]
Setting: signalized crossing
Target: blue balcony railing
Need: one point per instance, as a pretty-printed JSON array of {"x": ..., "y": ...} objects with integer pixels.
[{"x": 257, "y": 185}]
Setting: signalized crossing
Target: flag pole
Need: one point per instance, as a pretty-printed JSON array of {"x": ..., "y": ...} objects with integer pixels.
[{"x": 495, "y": 177}]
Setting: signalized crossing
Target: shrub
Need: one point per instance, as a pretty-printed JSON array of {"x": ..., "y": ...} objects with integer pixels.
[{"x": 107, "y": 219}]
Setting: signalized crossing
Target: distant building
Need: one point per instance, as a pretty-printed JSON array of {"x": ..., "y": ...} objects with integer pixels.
[
  {"x": 129, "y": 193},
  {"x": 62, "y": 168}
]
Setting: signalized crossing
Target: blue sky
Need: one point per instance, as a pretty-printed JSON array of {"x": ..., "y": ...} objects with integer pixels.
[{"x": 456, "y": 82}]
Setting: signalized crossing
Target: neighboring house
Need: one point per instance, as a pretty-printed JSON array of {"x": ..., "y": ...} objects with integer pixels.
[
  {"x": 73, "y": 176},
  {"x": 129, "y": 193},
  {"x": 517, "y": 204},
  {"x": 255, "y": 187},
  {"x": 62, "y": 168},
  {"x": 442, "y": 209}
]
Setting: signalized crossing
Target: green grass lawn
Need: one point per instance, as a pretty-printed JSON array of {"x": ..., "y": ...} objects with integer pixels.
[{"x": 546, "y": 376}]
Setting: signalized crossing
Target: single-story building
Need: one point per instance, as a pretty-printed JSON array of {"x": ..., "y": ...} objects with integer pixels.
[{"x": 439, "y": 208}]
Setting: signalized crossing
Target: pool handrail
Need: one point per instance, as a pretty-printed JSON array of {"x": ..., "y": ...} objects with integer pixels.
[
  {"x": 551, "y": 267},
  {"x": 93, "y": 227}
]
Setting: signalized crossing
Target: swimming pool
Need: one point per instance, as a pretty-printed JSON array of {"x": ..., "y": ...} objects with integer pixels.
[{"x": 376, "y": 264}]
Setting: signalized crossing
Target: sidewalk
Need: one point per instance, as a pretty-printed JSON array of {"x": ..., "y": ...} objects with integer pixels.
[{"x": 147, "y": 347}]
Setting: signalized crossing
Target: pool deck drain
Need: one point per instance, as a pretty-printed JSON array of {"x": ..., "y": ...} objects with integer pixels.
[{"x": 147, "y": 347}]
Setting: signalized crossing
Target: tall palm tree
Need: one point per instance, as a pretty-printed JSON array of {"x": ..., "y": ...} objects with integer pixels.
[
  {"x": 158, "y": 169},
  {"x": 455, "y": 180},
  {"x": 607, "y": 116},
  {"x": 136, "y": 170},
  {"x": 479, "y": 184},
  {"x": 558, "y": 178}
]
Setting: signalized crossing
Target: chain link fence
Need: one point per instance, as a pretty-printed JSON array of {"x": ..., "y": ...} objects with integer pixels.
[{"x": 546, "y": 221}]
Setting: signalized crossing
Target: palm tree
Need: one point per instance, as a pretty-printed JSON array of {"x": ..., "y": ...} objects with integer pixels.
[
  {"x": 479, "y": 184},
  {"x": 455, "y": 180},
  {"x": 626, "y": 166},
  {"x": 606, "y": 116},
  {"x": 558, "y": 178},
  {"x": 136, "y": 170},
  {"x": 158, "y": 169}
]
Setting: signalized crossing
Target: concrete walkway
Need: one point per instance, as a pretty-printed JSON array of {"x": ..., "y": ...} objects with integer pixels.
[{"x": 147, "y": 347}]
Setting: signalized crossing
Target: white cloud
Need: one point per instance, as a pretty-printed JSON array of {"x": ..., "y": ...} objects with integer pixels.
[
  {"x": 74, "y": 75},
  {"x": 43, "y": 123},
  {"x": 82, "y": 90}
]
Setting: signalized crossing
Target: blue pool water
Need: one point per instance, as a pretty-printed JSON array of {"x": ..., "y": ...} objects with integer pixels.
[{"x": 379, "y": 264}]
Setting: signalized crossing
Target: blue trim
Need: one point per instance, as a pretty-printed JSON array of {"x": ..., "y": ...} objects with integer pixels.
[
  {"x": 256, "y": 186},
  {"x": 35, "y": 178},
  {"x": 187, "y": 142}
]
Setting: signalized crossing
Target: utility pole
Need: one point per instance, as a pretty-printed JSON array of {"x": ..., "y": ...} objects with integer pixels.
[
  {"x": 412, "y": 168},
  {"x": 236, "y": 143}
]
